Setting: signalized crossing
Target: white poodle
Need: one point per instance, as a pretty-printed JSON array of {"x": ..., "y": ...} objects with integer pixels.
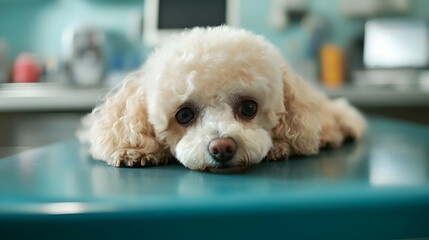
[{"x": 217, "y": 99}]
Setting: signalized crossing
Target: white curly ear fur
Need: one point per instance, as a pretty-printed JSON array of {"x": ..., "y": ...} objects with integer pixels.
[
  {"x": 119, "y": 131},
  {"x": 311, "y": 120},
  {"x": 299, "y": 126}
]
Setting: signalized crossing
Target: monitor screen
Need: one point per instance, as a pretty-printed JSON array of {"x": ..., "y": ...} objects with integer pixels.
[
  {"x": 396, "y": 44},
  {"x": 174, "y": 14},
  {"x": 162, "y": 18}
]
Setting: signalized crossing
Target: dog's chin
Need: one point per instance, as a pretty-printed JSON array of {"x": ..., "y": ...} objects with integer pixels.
[{"x": 227, "y": 169}]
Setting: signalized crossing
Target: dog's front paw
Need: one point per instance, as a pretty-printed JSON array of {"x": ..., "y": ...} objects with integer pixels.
[
  {"x": 340, "y": 123},
  {"x": 133, "y": 158},
  {"x": 280, "y": 151}
]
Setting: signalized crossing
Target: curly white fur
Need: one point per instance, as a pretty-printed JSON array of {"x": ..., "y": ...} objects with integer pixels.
[{"x": 212, "y": 68}]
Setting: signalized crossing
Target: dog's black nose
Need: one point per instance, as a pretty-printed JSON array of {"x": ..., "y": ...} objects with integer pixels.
[{"x": 222, "y": 149}]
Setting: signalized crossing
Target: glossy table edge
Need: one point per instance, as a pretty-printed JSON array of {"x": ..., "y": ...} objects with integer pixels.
[
  {"x": 419, "y": 193},
  {"x": 373, "y": 217}
]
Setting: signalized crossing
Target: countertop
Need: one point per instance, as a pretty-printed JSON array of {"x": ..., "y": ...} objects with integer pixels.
[
  {"x": 66, "y": 97},
  {"x": 377, "y": 188}
]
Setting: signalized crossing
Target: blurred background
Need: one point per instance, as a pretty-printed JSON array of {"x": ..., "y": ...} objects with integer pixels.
[{"x": 59, "y": 57}]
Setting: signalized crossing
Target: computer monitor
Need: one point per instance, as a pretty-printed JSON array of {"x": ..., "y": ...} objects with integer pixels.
[
  {"x": 165, "y": 17},
  {"x": 396, "y": 43}
]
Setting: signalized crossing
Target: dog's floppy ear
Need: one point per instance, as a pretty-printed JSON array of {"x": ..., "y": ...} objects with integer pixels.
[
  {"x": 120, "y": 132},
  {"x": 299, "y": 126}
]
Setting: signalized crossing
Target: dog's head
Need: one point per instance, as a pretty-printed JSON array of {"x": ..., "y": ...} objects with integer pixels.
[
  {"x": 214, "y": 95},
  {"x": 216, "y": 98}
]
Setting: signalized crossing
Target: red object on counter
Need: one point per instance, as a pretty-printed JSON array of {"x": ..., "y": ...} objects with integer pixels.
[{"x": 26, "y": 69}]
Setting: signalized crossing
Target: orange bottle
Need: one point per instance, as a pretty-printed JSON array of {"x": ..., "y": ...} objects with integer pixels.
[{"x": 332, "y": 63}]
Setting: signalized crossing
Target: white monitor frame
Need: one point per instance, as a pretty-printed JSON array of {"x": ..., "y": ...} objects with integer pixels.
[{"x": 153, "y": 36}]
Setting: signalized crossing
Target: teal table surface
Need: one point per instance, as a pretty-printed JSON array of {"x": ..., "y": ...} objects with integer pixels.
[{"x": 377, "y": 188}]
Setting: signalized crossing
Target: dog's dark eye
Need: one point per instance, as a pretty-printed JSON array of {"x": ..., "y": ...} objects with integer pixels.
[
  {"x": 185, "y": 115},
  {"x": 248, "y": 109}
]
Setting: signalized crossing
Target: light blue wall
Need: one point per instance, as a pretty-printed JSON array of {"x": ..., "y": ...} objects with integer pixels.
[{"x": 36, "y": 25}]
